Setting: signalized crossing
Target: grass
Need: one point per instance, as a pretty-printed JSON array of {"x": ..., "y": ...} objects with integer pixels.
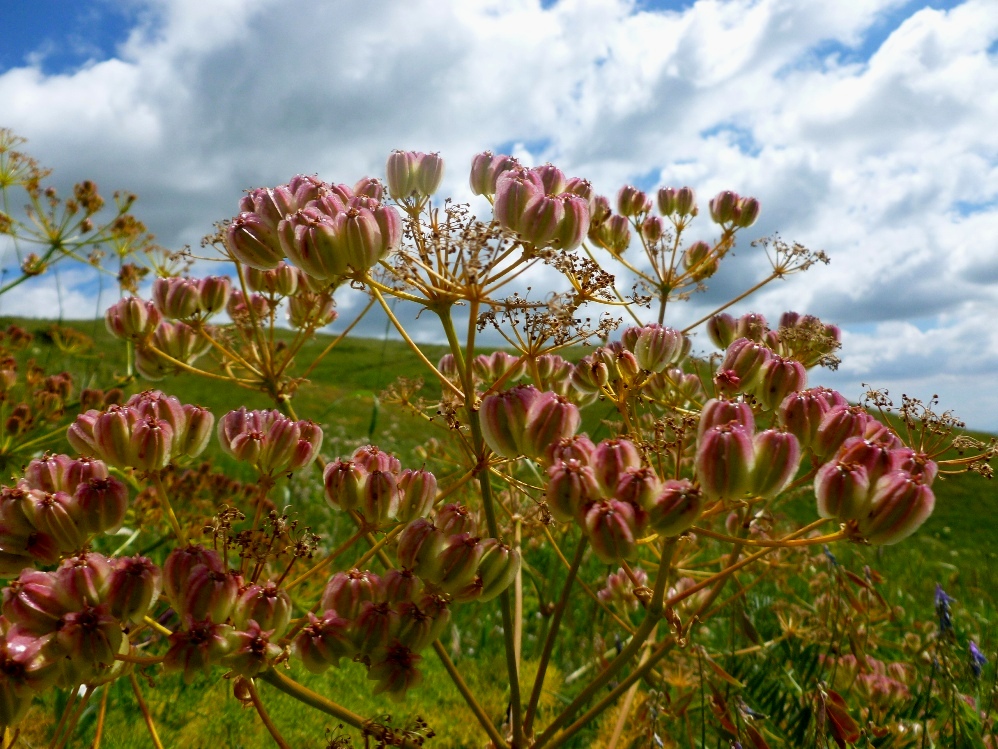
[{"x": 956, "y": 547}]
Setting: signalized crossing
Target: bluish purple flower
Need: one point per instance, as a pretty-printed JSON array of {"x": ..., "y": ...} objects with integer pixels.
[
  {"x": 943, "y": 602},
  {"x": 977, "y": 659}
]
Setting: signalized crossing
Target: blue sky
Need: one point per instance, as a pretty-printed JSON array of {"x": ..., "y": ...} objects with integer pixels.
[{"x": 866, "y": 128}]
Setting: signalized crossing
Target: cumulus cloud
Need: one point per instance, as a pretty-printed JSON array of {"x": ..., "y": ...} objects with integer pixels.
[{"x": 865, "y": 128}]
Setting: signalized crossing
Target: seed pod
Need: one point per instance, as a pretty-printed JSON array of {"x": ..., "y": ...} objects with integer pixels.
[
  {"x": 746, "y": 358},
  {"x": 550, "y": 417},
  {"x": 570, "y": 487},
  {"x": 323, "y": 642},
  {"x": 209, "y": 594},
  {"x": 676, "y": 507},
  {"x": 346, "y": 591},
  {"x": 721, "y": 329},
  {"x": 197, "y": 647},
  {"x": 610, "y": 459},
  {"x": 776, "y": 460},
  {"x": 724, "y": 461},
  {"x": 375, "y": 627},
  {"x": 399, "y": 586},
  {"x": 180, "y": 565},
  {"x": 251, "y": 651},
  {"x": 380, "y": 501},
  {"x": 801, "y": 413},
  {"x": 132, "y": 319},
  {"x": 898, "y": 507},
  {"x": 632, "y": 202},
  {"x": 486, "y": 169},
  {"x": 374, "y": 459},
  {"x": 497, "y": 568},
  {"x": 842, "y": 490},
  {"x": 516, "y": 190},
  {"x": 459, "y": 559},
  {"x": 133, "y": 589},
  {"x": 344, "y": 482},
  {"x": 837, "y": 425},
  {"x": 267, "y": 605},
  {"x": 419, "y": 546},
  {"x": 613, "y": 528},
  {"x": 639, "y": 486},
  {"x": 418, "y": 491},
  {"x": 779, "y": 378}
]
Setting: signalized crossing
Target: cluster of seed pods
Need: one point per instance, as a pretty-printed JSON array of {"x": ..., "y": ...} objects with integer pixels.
[
  {"x": 52, "y": 511},
  {"x": 382, "y": 621},
  {"x": 269, "y": 441},
  {"x": 64, "y": 628},
  {"x": 615, "y": 498}
]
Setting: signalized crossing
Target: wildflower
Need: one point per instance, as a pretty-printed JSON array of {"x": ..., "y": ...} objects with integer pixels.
[
  {"x": 977, "y": 660},
  {"x": 943, "y": 611}
]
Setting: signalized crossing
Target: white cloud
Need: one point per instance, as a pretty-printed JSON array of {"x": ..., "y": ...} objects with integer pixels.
[{"x": 888, "y": 163}]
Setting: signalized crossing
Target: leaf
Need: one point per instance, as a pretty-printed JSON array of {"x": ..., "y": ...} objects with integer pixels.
[
  {"x": 721, "y": 673},
  {"x": 844, "y": 728},
  {"x": 756, "y": 738}
]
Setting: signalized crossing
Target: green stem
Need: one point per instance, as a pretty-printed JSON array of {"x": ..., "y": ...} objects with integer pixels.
[
  {"x": 462, "y": 687},
  {"x": 305, "y": 695},
  {"x": 164, "y": 502},
  {"x": 488, "y": 504},
  {"x": 654, "y": 613},
  {"x": 552, "y": 635},
  {"x": 265, "y": 717}
]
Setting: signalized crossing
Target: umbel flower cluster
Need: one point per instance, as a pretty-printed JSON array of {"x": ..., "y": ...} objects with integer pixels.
[{"x": 669, "y": 465}]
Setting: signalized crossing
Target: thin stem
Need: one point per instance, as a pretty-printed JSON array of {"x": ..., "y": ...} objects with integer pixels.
[
  {"x": 535, "y": 693},
  {"x": 748, "y": 292},
  {"x": 262, "y": 712},
  {"x": 145, "y": 712},
  {"x": 329, "y": 559},
  {"x": 101, "y": 714},
  {"x": 648, "y": 624},
  {"x": 305, "y": 695},
  {"x": 777, "y": 544},
  {"x": 164, "y": 502},
  {"x": 625, "y": 709},
  {"x": 75, "y": 719},
  {"x": 462, "y": 687}
]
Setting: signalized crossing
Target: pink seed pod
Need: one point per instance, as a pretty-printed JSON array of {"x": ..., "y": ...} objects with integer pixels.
[
  {"x": 346, "y": 591},
  {"x": 344, "y": 482},
  {"x": 613, "y": 528},
  {"x": 599, "y": 212},
  {"x": 213, "y": 294},
  {"x": 503, "y": 418},
  {"x": 801, "y": 412},
  {"x": 837, "y": 425},
  {"x": 361, "y": 238},
  {"x": 380, "y": 501},
  {"x": 193, "y": 440},
  {"x": 777, "y": 458},
  {"x": 613, "y": 235},
  {"x": 251, "y": 651},
  {"x": 780, "y": 377},
  {"x": 374, "y": 458},
  {"x": 516, "y": 189},
  {"x": 680, "y": 202},
  {"x": 313, "y": 243},
  {"x": 90, "y": 636},
  {"x": 112, "y": 431},
  {"x": 591, "y": 374},
  {"x": 32, "y": 602},
  {"x": 721, "y": 330},
  {"x": 579, "y": 448},
  {"x": 581, "y": 187},
  {"x": 639, "y": 486},
  {"x": 83, "y": 579},
  {"x": 251, "y": 241},
  {"x": 486, "y": 169},
  {"x": 323, "y": 642},
  {"x": 898, "y": 507},
  {"x": 676, "y": 507},
  {"x": 876, "y": 459},
  {"x": 497, "y": 568},
  {"x": 552, "y": 178},
  {"x": 282, "y": 280},
  {"x": 395, "y": 671},
  {"x": 632, "y": 202},
  {"x": 610, "y": 460},
  {"x": 746, "y": 212},
  {"x": 56, "y": 515},
  {"x": 399, "y": 586},
  {"x": 619, "y": 588},
  {"x": 415, "y": 626},
  {"x": 418, "y": 492},
  {"x": 80, "y": 433},
  {"x": 723, "y": 207},
  {"x": 747, "y": 359},
  {"x": 753, "y": 326},
  {"x": 133, "y": 588},
  {"x": 550, "y": 418},
  {"x": 724, "y": 461},
  {"x": 656, "y": 347},
  {"x": 196, "y": 648},
  {"x": 369, "y": 187},
  {"x": 376, "y": 625},
  {"x": 652, "y": 229},
  {"x": 150, "y": 444},
  {"x": 701, "y": 261},
  {"x": 15, "y": 516},
  {"x": 455, "y": 518},
  {"x": 132, "y": 319},
  {"x": 180, "y": 565},
  {"x": 540, "y": 220},
  {"x": 419, "y": 547},
  {"x": 208, "y": 594},
  {"x": 842, "y": 490},
  {"x": 470, "y": 592},
  {"x": 307, "y": 449},
  {"x": 491, "y": 367},
  {"x": 308, "y": 310},
  {"x": 267, "y": 605},
  {"x": 570, "y": 487},
  {"x": 50, "y": 473},
  {"x": 574, "y": 224},
  {"x": 459, "y": 559},
  {"x": 177, "y": 340},
  {"x": 269, "y": 204},
  {"x": 412, "y": 174},
  {"x": 27, "y": 667},
  {"x": 921, "y": 468},
  {"x": 176, "y": 298},
  {"x": 156, "y": 404}
]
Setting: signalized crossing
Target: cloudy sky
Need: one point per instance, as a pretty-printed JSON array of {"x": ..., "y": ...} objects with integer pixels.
[{"x": 867, "y": 128}]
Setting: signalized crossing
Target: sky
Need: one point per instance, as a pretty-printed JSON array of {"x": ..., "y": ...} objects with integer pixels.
[{"x": 866, "y": 129}]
